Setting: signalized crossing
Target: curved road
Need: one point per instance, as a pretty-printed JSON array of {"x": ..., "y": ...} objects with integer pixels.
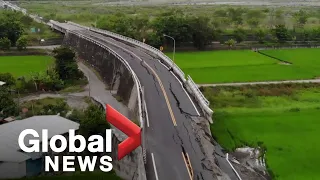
[
  {"x": 173, "y": 151},
  {"x": 170, "y": 139}
]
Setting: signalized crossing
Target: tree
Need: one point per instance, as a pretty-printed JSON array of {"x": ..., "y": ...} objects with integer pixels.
[
  {"x": 253, "y": 22},
  {"x": 279, "y": 17},
  {"x": 281, "y": 33},
  {"x": 5, "y": 44},
  {"x": 176, "y": 25},
  {"x": 22, "y": 43},
  {"x": 240, "y": 35},
  {"x": 230, "y": 43},
  {"x": 93, "y": 122},
  {"x": 236, "y": 15},
  {"x": 66, "y": 65},
  {"x": 261, "y": 35},
  {"x": 10, "y": 26},
  {"x": 7, "y": 105},
  {"x": 8, "y": 79},
  {"x": 153, "y": 39},
  {"x": 202, "y": 32},
  {"x": 301, "y": 17}
]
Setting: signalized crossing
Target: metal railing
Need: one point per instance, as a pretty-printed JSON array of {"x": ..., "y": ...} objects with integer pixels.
[
  {"x": 167, "y": 60},
  {"x": 203, "y": 102},
  {"x": 196, "y": 88}
]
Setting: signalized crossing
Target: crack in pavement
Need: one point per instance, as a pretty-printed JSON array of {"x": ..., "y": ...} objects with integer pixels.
[
  {"x": 154, "y": 78},
  {"x": 222, "y": 156},
  {"x": 189, "y": 136},
  {"x": 174, "y": 139},
  {"x": 179, "y": 104},
  {"x": 179, "y": 137},
  {"x": 155, "y": 67},
  {"x": 135, "y": 172},
  {"x": 200, "y": 175}
]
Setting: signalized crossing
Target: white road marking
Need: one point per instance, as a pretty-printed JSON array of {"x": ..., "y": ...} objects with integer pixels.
[
  {"x": 163, "y": 64},
  {"x": 176, "y": 78},
  {"x": 147, "y": 116},
  {"x": 154, "y": 167},
  {"x": 186, "y": 93},
  {"x": 227, "y": 158}
]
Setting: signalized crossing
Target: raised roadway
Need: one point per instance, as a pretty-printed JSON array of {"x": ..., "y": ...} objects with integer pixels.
[{"x": 173, "y": 152}]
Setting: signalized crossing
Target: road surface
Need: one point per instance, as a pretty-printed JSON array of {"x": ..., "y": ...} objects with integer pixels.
[
  {"x": 173, "y": 151},
  {"x": 170, "y": 139}
]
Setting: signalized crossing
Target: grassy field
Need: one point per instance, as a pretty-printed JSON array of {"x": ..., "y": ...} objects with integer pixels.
[
  {"x": 285, "y": 118},
  {"x": 246, "y": 65},
  {"x": 24, "y": 65}
]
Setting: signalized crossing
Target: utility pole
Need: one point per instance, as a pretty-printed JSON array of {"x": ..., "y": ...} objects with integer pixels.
[{"x": 174, "y": 49}]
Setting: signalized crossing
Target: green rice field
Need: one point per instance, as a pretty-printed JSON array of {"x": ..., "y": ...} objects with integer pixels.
[
  {"x": 246, "y": 65},
  {"x": 284, "y": 118},
  {"x": 24, "y": 65}
]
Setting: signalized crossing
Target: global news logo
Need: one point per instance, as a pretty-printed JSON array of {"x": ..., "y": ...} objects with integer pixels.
[{"x": 73, "y": 147}]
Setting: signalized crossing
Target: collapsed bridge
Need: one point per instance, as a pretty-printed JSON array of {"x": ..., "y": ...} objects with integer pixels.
[{"x": 165, "y": 100}]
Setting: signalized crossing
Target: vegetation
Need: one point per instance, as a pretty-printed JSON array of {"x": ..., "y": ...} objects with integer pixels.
[
  {"x": 93, "y": 121},
  {"x": 8, "y": 107},
  {"x": 21, "y": 30},
  {"x": 282, "y": 118},
  {"x": 46, "y": 106},
  {"x": 24, "y": 65},
  {"x": 10, "y": 26},
  {"x": 34, "y": 73},
  {"x": 246, "y": 65},
  {"x": 197, "y": 24},
  {"x": 5, "y": 44},
  {"x": 22, "y": 43},
  {"x": 66, "y": 65}
]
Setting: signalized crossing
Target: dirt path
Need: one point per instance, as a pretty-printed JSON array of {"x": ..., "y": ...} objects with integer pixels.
[{"x": 262, "y": 82}]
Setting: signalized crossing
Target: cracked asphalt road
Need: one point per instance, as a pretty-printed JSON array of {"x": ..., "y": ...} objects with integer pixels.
[
  {"x": 164, "y": 140},
  {"x": 170, "y": 137}
]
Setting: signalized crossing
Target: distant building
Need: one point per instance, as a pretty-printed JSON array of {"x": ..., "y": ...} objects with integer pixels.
[
  {"x": 2, "y": 83},
  {"x": 17, "y": 164}
]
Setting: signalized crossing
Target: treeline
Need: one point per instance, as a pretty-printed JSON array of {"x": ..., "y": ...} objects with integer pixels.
[
  {"x": 12, "y": 30},
  {"x": 202, "y": 30}
]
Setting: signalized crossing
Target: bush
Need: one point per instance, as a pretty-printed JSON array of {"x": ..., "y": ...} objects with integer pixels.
[
  {"x": 93, "y": 122},
  {"x": 8, "y": 79},
  {"x": 22, "y": 43},
  {"x": 66, "y": 65},
  {"x": 240, "y": 35},
  {"x": 5, "y": 44}
]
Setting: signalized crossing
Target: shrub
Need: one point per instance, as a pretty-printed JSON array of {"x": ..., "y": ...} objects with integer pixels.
[
  {"x": 5, "y": 44},
  {"x": 22, "y": 43}
]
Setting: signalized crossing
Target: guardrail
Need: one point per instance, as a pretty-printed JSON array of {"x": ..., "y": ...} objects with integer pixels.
[
  {"x": 203, "y": 102},
  {"x": 198, "y": 90},
  {"x": 191, "y": 85},
  {"x": 167, "y": 60}
]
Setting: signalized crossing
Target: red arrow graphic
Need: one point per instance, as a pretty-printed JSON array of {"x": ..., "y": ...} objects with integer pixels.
[{"x": 126, "y": 126}]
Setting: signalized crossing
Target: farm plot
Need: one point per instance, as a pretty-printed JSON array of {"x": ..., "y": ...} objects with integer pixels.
[
  {"x": 24, "y": 65},
  {"x": 283, "y": 118},
  {"x": 248, "y": 66}
]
